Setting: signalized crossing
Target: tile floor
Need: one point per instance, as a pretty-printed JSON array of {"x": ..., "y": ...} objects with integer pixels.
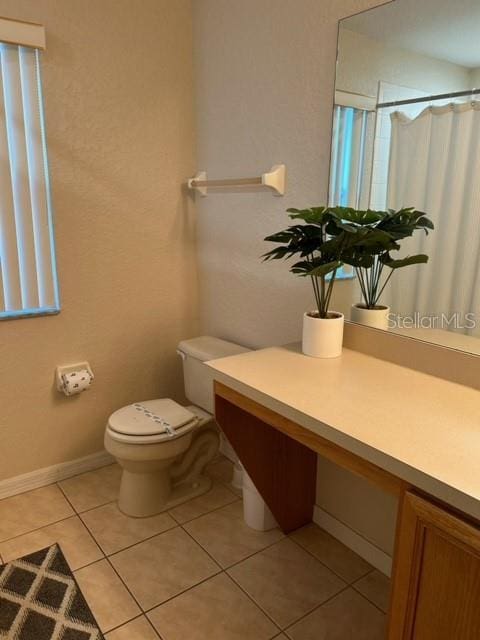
[{"x": 198, "y": 571}]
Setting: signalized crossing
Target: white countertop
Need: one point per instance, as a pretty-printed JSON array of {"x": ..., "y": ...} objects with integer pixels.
[{"x": 422, "y": 429}]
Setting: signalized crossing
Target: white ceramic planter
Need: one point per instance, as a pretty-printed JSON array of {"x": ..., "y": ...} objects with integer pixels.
[
  {"x": 323, "y": 337},
  {"x": 376, "y": 318}
]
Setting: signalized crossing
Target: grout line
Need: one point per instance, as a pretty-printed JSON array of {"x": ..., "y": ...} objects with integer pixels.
[
  {"x": 84, "y": 566},
  {"x": 304, "y": 615},
  {"x": 363, "y": 595},
  {"x": 251, "y": 555},
  {"x": 145, "y": 611},
  {"x": 119, "y": 626},
  {"x": 125, "y": 585},
  {"x": 106, "y": 558},
  {"x": 203, "y": 549},
  {"x": 134, "y": 544},
  {"x": 44, "y": 526},
  {"x": 348, "y": 586},
  {"x": 342, "y": 578},
  {"x": 222, "y": 570},
  {"x": 181, "y": 593},
  {"x": 154, "y": 629},
  {"x": 258, "y": 605},
  {"x": 77, "y": 511},
  {"x": 238, "y": 561},
  {"x": 88, "y": 531},
  {"x": 345, "y": 588},
  {"x": 236, "y": 499},
  {"x": 97, "y": 506}
]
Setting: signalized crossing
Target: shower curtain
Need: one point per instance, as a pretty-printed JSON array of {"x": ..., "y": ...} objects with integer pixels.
[{"x": 435, "y": 167}]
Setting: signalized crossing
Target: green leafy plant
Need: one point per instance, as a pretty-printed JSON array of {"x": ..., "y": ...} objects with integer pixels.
[
  {"x": 320, "y": 240},
  {"x": 377, "y": 234}
]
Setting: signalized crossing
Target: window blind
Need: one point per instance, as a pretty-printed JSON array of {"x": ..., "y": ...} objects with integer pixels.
[
  {"x": 28, "y": 282},
  {"x": 348, "y": 156}
]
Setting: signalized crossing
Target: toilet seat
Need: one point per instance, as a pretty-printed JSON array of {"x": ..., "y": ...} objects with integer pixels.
[{"x": 152, "y": 421}]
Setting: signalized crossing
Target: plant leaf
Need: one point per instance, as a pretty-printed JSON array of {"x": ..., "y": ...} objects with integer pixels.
[
  {"x": 421, "y": 258},
  {"x": 323, "y": 269}
]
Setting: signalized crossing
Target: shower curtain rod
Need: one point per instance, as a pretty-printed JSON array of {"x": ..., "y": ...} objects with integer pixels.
[{"x": 440, "y": 96}]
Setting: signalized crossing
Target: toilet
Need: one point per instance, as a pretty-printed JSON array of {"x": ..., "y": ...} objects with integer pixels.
[{"x": 163, "y": 447}]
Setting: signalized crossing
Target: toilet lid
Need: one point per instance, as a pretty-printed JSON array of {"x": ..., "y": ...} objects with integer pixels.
[{"x": 152, "y": 417}]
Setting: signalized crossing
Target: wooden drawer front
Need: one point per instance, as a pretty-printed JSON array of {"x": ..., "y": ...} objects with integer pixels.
[{"x": 436, "y": 593}]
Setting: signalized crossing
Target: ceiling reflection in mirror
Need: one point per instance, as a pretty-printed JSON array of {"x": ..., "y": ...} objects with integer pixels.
[{"x": 406, "y": 134}]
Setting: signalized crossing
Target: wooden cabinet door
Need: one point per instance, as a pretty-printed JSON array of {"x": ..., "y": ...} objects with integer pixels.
[{"x": 436, "y": 591}]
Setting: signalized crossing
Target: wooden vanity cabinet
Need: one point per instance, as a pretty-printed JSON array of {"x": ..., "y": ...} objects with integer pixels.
[
  {"x": 436, "y": 573},
  {"x": 436, "y": 586}
]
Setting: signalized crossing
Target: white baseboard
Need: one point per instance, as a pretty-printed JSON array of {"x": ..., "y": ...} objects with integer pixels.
[
  {"x": 49, "y": 475},
  {"x": 365, "y": 549}
]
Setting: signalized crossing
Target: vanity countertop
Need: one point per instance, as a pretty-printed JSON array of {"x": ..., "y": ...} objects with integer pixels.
[{"x": 422, "y": 429}]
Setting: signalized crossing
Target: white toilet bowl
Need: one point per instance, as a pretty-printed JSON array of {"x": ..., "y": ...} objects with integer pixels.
[{"x": 162, "y": 447}]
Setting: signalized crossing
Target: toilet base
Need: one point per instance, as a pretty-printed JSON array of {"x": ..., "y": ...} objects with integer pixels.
[
  {"x": 187, "y": 490},
  {"x": 137, "y": 500}
]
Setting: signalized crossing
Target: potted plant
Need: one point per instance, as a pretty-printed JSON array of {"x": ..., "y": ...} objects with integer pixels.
[
  {"x": 378, "y": 234},
  {"x": 319, "y": 241}
]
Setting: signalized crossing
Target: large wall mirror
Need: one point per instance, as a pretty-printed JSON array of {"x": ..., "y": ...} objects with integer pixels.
[{"x": 406, "y": 133}]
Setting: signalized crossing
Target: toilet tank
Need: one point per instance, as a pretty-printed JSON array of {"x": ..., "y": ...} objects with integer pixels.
[{"x": 198, "y": 378}]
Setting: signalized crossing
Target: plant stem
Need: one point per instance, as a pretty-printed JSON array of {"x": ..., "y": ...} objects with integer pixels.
[
  {"x": 316, "y": 292},
  {"x": 330, "y": 291},
  {"x": 361, "y": 281},
  {"x": 385, "y": 284}
]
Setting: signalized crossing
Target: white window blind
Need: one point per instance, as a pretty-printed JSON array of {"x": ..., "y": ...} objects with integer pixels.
[
  {"x": 28, "y": 283},
  {"x": 350, "y": 155}
]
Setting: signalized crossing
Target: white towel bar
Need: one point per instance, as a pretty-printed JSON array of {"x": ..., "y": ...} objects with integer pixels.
[{"x": 274, "y": 179}]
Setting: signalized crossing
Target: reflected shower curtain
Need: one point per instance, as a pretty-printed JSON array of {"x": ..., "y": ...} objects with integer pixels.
[{"x": 435, "y": 167}]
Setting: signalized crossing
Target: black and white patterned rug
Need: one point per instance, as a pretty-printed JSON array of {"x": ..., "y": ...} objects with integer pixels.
[{"x": 41, "y": 600}]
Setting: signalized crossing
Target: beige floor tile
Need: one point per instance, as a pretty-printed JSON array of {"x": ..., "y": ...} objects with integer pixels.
[
  {"x": 94, "y": 488},
  {"x": 286, "y": 582},
  {"x": 77, "y": 544},
  {"x": 108, "y": 598},
  {"x": 138, "y": 629},
  {"x": 162, "y": 567},
  {"x": 335, "y": 555},
  {"x": 347, "y": 616},
  {"x": 216, "y": 608},
  {"x": 217, "y": 497},
  {"x": 227, "y": 538},
  {"x": 115, "y": 531},
  {"x": 32, "y": 510},
  {"x": 375, "y": 587}
]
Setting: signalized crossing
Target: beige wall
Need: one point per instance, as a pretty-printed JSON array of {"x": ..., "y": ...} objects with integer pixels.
[
  {"x": 363, "y": 62},
  {"x": 475, "y": 78},
  {"x": 265, "y": 75},
  {"x": 119, "y": 111}
]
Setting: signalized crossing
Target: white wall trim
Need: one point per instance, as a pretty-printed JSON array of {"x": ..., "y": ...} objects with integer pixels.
[
  {"x": 365, "y": 549},
  {"x": 49, "y": 475}
]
